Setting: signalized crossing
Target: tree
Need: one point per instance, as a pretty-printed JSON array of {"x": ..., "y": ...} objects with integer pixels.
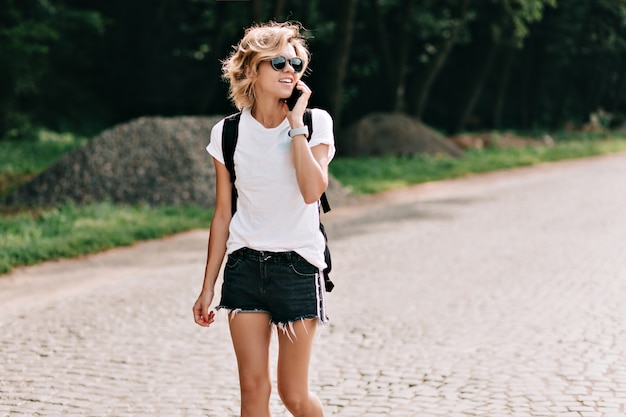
[
  {"x": 71, "y": 64},
  {"x": 26, "y": 35},
  {"x": 509, "y": 26},
  {"x": 449, "y": 34},
  {"x": 33, "y": 36},
  {"x": 344, "y": 28}
]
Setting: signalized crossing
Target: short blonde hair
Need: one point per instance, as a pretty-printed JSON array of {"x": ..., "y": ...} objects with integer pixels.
[{"x": 259, "y": 43}]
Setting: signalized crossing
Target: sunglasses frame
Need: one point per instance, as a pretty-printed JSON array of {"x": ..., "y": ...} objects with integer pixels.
[{"x": 279, "y": 66}]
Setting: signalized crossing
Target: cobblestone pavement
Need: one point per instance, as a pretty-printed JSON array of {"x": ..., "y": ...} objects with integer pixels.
[{"x": 495, "y": 295}]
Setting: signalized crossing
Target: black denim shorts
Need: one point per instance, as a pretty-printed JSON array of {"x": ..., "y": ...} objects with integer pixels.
[{"x": 282, "y": 284}]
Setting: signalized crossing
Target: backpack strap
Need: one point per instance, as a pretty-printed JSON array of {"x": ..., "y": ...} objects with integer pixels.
[
  {"x": 308, "y": 121},
  {"x": 328, "y": 283},
  {"x": 230, "y": 132}
]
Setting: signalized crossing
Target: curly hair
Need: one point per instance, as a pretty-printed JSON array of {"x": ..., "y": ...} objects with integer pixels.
[{"x": 259, "y": 43}]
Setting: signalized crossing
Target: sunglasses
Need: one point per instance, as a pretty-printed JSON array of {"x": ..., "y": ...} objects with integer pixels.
[{"x": 279, "y": 63}]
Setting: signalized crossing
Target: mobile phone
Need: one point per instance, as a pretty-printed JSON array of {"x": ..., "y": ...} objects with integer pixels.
[{"x": 291, "y": 101}]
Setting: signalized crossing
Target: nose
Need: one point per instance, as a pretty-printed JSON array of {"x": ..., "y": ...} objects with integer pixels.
[{"x": 289, "y": 68}]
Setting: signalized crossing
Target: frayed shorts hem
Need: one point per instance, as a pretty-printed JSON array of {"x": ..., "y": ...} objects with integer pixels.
[
  {"x": 287, "y": 327},
  {"x": 232, "y": 312}
]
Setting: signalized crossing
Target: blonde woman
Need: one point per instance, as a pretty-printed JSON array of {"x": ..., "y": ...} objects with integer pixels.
[{"x": 274, "y": 247}]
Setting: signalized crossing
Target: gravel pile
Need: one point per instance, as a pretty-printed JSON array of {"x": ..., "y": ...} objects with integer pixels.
[
  {"x": 396, "y": 134},
  {"x": 150, "y": 160}
]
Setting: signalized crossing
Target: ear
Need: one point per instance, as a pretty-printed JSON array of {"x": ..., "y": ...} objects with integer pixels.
[{"x": 246, "y": 71}]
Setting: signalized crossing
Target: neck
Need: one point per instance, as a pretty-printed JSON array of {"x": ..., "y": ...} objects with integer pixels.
[{"x": 270, "y": 113}]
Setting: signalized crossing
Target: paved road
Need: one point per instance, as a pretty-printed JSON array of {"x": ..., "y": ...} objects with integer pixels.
[{"x": 496, "y": 295}]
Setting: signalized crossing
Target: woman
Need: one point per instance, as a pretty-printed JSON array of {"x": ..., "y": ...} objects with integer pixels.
[{"x": 275, "y": 248}]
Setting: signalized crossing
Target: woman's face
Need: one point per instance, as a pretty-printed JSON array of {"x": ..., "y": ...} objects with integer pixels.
[{"x": 278, "y": 84}]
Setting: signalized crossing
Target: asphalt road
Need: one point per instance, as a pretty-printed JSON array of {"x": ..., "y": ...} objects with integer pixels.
[{"x": 495, "y": 295}]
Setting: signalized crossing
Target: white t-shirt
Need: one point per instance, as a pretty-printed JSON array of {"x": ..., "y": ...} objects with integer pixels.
[{"x": 271, "y": 213}]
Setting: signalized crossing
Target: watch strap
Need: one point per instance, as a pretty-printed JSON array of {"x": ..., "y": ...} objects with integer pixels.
[{"x": 299, "y": 131}]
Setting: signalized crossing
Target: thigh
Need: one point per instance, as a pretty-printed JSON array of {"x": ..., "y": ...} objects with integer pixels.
[
  {"x": 251, "y": 335},
  {"x": 294, "y": 355}
]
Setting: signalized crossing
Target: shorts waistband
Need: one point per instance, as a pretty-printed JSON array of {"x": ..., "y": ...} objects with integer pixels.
[{"x": 267, "y": 256}]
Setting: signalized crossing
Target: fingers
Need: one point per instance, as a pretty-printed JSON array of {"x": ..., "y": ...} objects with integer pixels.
[
  {"x": 303, "y": 100},
  {"x": 202, "y": 316},
  {"x": 211, "y": 318},
  {"x": 301, "y": 85}
]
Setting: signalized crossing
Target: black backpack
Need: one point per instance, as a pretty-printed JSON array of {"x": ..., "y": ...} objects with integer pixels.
[{"x": 230, "y": 135}]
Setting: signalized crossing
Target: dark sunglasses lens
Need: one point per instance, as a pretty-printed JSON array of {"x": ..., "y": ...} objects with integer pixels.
[
  {"x": 297, "y": 64},
  {"x": 278, "y": 63}
]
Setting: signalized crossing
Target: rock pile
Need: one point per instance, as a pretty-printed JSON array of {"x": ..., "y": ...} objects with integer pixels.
[
  {"x": 395, "y": 134},
  {"x": 150, "y": 160}
]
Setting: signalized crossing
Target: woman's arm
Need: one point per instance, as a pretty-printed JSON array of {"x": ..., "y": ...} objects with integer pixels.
[
  {"x": 311, "y": 168},
  {"x": 311, "y": 163},
  {"x": 218, "y": 236}
]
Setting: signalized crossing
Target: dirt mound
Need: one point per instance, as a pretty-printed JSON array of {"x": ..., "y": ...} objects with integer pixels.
[
  {"x": 395, "y": 134},
  {"x": 150, "y": 160}
]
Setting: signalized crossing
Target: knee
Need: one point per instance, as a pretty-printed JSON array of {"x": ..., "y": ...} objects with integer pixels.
[
  {"x": 255, "y": 390},
  {"x": 295, "y": 400}
]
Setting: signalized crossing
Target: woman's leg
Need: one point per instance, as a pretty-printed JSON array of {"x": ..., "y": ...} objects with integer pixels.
[
  {"x": 294, "y": 355},
  {"x": 251, "y": 334}
]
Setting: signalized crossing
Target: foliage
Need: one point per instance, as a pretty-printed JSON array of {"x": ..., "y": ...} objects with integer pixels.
[
  {"x": 83, "y": 66},
  {"x": 32, "y": 34},
  {"x": 518, "y": 16}
]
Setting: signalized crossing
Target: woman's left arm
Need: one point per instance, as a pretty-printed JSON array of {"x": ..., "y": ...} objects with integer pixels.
[
  {"x": 311, "y": 163},
  {"x": 311, "y": 168}
]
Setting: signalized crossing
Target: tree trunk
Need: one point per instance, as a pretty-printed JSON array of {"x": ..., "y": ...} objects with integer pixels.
[
  {"x": 341, "y": 53},
  {"x": 256, "y": 11},
  {"x": 214, "y": 60},
  {"x": 279, "y": 9},
  {"x": 616, "y": 96},
  {"x": 161, "y": 9},
  {"x": 422, "y": 89},
  {"x": 607, "y": 66},
  {"x": 526, "y": 78},
  {"x": 502, "y": 88},
  {"x": 400, "y": 63},
  {"x": 384, "y": 44},
  {"x": 476, "y": 88}
]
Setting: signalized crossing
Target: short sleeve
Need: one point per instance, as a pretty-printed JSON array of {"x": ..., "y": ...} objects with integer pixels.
[
  {"x": 214, "y": 148},
  {"x": 323, "y": 131}
]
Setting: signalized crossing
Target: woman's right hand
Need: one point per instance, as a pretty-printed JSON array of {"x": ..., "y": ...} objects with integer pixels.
[{"x": 201, "y": 314}]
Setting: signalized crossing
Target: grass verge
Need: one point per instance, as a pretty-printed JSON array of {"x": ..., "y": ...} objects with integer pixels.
[
  {"x": 31, "y": 237},
  {"x": 368, "y": 175}
]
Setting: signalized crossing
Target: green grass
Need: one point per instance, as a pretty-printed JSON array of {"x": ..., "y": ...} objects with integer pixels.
[
  {"x": 22, "y": 160},
  {"x": 32, "y": 236},
  {"x": 367, "y": 175}
]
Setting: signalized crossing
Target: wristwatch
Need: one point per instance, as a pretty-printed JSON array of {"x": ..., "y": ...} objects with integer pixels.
[{"x": 299, "y": 131}]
